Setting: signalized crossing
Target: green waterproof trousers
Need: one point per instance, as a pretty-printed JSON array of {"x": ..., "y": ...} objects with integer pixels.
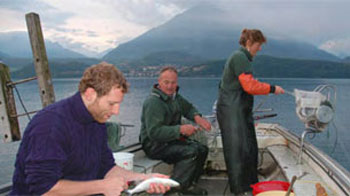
[
  {"x": 235, "y": 118},
  {"x": 188, "y": 156}
]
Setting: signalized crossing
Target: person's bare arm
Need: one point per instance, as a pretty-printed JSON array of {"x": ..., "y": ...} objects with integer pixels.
[
  {"x": 114, "y": 183},
  {"x": 117, "y": 171}
]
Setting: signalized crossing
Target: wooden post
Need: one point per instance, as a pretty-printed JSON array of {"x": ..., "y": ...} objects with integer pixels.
[
  {"x": 9, "y": 128},
  {"x": 40, "y": 59}
]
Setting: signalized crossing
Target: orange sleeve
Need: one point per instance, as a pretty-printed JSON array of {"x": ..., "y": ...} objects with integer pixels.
[{"x": 253, "y": 86}]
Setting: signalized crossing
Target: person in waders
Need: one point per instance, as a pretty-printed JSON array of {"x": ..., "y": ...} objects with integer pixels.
[
  {"x": 234, "y": 112},
  {"x": 163, "y": 137}
]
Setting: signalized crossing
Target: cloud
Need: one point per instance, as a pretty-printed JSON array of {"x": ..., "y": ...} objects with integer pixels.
[
  {"x": 100, "y": 24},
  {"x": 147, "y": 13},
  {"x": 12, "y": 22},
  {"x": 25, "y": 5},
  {"x": 338, "y": 46},
  {"x": 321, "y": 23},
  {"x": 104, "y": 24},
  {"x": 49, "y": 13},
  {"x": 315, "y": 20}
]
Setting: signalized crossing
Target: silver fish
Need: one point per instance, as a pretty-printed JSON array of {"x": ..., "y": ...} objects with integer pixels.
[{"x": 144, "y": 185}]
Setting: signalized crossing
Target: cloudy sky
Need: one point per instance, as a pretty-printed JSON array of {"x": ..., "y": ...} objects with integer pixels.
[{"x": 93, "y": 26}]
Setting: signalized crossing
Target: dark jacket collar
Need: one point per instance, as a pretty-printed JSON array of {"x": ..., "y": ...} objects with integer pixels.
[{"x": 247, "y": 53}]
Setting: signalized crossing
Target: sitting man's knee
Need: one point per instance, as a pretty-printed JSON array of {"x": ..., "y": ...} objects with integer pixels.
[
  {"x": 202, "y": 149},
  {"x": 191, "y": 152},
  {"x": 205, "y": 149},
  {"x": 199, "y": 150}
]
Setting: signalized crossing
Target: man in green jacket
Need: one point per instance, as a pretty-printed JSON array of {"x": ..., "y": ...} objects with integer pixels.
[{"x": 163, "y": 137}]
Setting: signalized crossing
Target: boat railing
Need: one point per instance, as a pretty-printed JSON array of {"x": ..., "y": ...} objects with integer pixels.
[{"x": 334, "y": 170}]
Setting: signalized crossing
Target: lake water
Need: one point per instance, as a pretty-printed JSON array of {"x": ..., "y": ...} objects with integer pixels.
[{"x": 202, "y": 92}]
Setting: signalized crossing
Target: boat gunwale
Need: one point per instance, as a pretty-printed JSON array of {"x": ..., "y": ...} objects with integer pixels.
[{"x": 336, "y": 172}]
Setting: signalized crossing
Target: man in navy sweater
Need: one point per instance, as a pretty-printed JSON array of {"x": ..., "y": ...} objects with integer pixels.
[{"x": 64, "y": 149}]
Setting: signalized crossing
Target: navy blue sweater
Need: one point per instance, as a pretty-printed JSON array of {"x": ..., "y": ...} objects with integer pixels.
[{"x": 62, "y": 141}]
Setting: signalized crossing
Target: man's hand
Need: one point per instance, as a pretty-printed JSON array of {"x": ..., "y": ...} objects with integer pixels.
[
  {"x": 157, "y": 188},
  {"x": 279, "y": 90},
  {"x": 187, "y": 130},
  {"x": 114, "y": 186},
  {"x": 202, "y": 122}
]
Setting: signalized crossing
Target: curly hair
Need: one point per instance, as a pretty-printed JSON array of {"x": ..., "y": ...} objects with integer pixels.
[
  {"x": 102, "y": 78},
  {"x": 254, "y": 35}
]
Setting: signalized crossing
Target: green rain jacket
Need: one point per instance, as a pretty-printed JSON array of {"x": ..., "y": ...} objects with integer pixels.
[
  {"x": 161, "y": 117},
  {"x": 240, "y": 62}
]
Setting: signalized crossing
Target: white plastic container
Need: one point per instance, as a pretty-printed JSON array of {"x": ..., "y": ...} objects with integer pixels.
[
  {"x": 124, "y": 160},
  {"x": 274, "y": 193}
]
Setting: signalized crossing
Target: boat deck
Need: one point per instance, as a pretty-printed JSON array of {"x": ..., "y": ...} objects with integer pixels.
[
  {"x": 278, "y": 157},
  {"x": 314, "y": 167},
  {"x": 307, "y": 178}
]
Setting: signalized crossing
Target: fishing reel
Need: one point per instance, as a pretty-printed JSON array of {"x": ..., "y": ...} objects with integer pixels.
[{"x": 316, "y": 108}]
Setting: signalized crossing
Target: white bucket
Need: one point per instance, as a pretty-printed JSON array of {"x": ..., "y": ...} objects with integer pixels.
[
  {"x": 124, "y": 160},
  {"x": 275, "y": 193}
]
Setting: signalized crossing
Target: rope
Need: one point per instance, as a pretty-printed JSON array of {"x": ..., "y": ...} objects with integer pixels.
[
  {"x": 20, "y": 100},
  {"x": 289, "y": 93}
]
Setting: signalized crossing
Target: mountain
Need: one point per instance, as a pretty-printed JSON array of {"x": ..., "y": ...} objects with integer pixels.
[
  {"x": 3, "y": 55},
  {"x": 264, "y": 67},
  {"x": 17, "y": 44},
  {"x": 167, "y": 58},
  {"x": 103, "y": 53},
  {"x": 59, "y": 68},
  {"x": 209, "y": 33},
  {"x": 346, "y": 59},
  {"x": 273, "y": 67},
  {"x": 17, "y": 63}
]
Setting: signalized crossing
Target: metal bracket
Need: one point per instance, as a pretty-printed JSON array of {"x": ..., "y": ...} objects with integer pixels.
[{"x": 307, "y": 131}]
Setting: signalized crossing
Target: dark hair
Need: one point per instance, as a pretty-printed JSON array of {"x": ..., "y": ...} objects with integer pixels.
[
  {"x": 254, "y": 35},
  {"x": 168, "y": 68},
  {"x": 102, "y": 77}
]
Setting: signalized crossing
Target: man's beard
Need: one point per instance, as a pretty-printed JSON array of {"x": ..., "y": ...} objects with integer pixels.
[{"x": 92, "y": 109}]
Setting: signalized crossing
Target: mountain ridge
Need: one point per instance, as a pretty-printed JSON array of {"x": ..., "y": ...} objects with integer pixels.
[
  {"x": 3, "y": 55},
  {"x": 263, "y": 66},
  {"x": 346, "y": 59},
  {"x": 209, "y": 36},
  {"x": 17, "y": 45},
  {"x": 275, "y": 67}
]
